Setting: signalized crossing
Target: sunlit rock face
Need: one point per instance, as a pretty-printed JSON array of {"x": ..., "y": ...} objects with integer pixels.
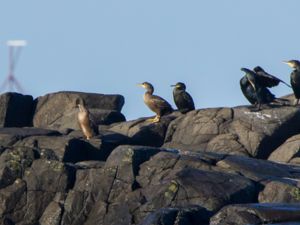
[{"x": 209, "y": 166}]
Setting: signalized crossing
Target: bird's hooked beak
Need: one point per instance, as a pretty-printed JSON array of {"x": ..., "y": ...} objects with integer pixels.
[
  {"x": 173, "y": 85},
  {"x": 290, "y": 64},
  {"x": 141, "y": 85}
]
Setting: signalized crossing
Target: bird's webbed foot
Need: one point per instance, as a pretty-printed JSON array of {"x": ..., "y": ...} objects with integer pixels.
[{"x": 156, "y": 119}]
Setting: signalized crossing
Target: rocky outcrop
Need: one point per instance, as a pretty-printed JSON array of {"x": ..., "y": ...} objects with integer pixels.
[
  {"x": 205, "y": 167},
  {"x": 239, "y": 130},
  {"x": 58, "y": 110}
]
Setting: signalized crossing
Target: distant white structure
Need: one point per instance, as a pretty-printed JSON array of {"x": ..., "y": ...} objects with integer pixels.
[
  {"x": 16, "y": 43},
  {"x": 11, "y": 83}
]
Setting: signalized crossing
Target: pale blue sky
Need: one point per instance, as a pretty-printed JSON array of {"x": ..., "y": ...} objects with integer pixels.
[{"x": 109, "y": 46}]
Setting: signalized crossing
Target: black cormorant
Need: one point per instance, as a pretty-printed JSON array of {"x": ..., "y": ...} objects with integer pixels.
[
  {"x": 157, "y": 104},
  {"x": 295, "y": 78},
  {"x": 267, "y": 79},
  {"x": 254, "y": 89},
  {"x": 183, "y": 100}
]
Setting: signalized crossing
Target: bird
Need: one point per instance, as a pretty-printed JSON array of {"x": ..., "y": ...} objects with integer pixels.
[
  {"x": 183, "y": 100},
  {"x": 255, "y": 89},
  {"x": 86, "y": 122},
  {"x": 156, "y": 103},
  {"x": 267, "y": 79},
  {"x": 295, "y": 78}
]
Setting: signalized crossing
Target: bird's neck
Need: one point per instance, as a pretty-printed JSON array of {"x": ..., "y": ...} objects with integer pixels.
[{"x": 149, "y": 91}]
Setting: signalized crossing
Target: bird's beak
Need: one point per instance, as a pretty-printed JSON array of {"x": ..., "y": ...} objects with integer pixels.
[
  {"x": 173, "y": 85},
  {"x": 140, "y": 85},
  {"x": 286, "y": 62}
]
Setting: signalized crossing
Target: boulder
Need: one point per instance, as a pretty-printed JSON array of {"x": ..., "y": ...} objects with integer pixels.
[
  {"x": 280, "y": 192},
  {"x": 9, "y": 136},
  {"x": 16, "y": 110},
  {"x": 264, "y": 213},
  {"x": 72, "y": 149},
  {"x": 238, "y": 130},
  {"x": 188, "y": 215},
  {"x": 288, "y": 151},
  {"x": 59, "y": 110},
  {"x": 256, "y": 169},
  {"x": 143, "y": 132}
]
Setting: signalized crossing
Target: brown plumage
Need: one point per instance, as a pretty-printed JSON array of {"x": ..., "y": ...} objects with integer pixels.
[
  {"x": 156, "y": 103},
  {"x": 87, "y": 125}
]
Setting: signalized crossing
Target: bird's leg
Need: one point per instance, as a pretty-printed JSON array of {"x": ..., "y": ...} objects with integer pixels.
[{"x": 259, "y": 106}]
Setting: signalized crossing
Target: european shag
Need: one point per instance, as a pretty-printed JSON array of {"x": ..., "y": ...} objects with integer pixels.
[
  {"x": 156, "y": 103},
  {"x": 267, "y": 79},
  {"x": 183, "y": 100},
  {"x": 86, "y": 122},
  {"x": 295, "y": 78},
  {"x": 254, "y": 89}
]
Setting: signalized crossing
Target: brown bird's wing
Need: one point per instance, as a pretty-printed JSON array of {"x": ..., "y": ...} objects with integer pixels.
[{"x": 160, "y": 103}]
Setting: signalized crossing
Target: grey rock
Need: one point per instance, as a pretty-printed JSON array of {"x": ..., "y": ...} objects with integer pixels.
[
  {"x": 257, "y": 214},
  {"x": 59, "y": 110},
  {"x": 280, "y": 192},
  {"x": 286, "y": 152},
  {"x": 16, "y": 110},
  {"x": 188, "y": 215},
  {"x": 143, "y": 132},
  {"x": 237, "y": 130}
]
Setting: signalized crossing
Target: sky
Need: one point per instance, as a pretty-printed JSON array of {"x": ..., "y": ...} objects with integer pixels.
[{"x": 110, "y": 46}]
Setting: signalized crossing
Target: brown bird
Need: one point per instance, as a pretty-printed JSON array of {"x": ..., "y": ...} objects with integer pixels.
[
  {"x": 156, "y": 103},
  {"x": 86, "y": 123}
]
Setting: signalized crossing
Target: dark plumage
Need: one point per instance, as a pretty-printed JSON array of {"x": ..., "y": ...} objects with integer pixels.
[
  {"x": 254, "y": 90},
  {"x": 266, "y": 79},
  {"x": 157, "y": 104},
  {"x": 183, "y": 100},
  {"x": 295, "y": 78}
]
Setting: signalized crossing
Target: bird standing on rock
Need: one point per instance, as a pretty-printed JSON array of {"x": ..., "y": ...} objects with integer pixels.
[
  {"x": 295, "y": 78},
  {"x": 156, "y": 103},
  {"x": 255, "y": 89},
  {"x": 86, "y": 123},
  {"x": 183, "y": 100}
]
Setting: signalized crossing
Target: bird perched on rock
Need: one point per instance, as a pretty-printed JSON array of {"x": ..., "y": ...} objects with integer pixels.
[
  {"x": 254, "y": 88},
  {"x": 183, "y": 100},
  {"x": 86, "y": 123},
  {"x": 295, "y": 78},
  {"x": 156, "y": 103},
  {"x": 267, "y": 79}
]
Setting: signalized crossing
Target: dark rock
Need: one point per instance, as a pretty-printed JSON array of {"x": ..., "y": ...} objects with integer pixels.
[
  {"x": 12, "y": 198},
  {"x": 143, "y": 132},
  {"x": 188, "y": 215},
  {"x": 53, "y": 213},
  {"x": 13, "y": 163},
  {"x": 255, "y": 169},
  {"x": 16, "y": 110},
  {"x": 9, "y": 136},
  {"x": 44, "y": 180},
  {"x": 257, "y": 214},
  {"x": 70, "y": 149},
  {"x": 234, "y": 130},
  {"x": 59, "y": 110}
]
